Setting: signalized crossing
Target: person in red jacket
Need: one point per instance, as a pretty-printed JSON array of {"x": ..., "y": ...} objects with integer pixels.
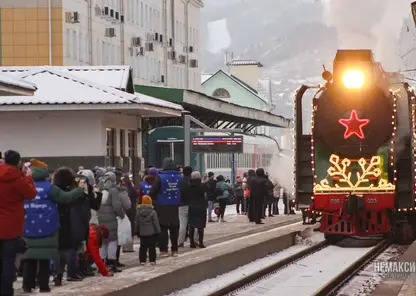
[
  {"x": 97, "y": 234},
  {"x": 16, "y": 186}
]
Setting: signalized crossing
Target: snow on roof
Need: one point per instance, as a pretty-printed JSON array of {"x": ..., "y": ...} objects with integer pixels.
[
  {"x": 205, "y": 77},
  {"x": 157, "y": 102},
  {"x": 114, "y": 76},
  {"x": 62, "y": 87},
  {"x": 245, "y": 63},
  {"x": 16, "y": 82}
]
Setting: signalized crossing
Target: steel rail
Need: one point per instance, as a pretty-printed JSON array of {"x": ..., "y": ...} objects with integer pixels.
[{"x": 267, "y": 271}]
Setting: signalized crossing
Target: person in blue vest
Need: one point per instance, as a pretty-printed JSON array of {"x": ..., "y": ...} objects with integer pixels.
[
  {"x": 167, "y": 197},
  {"x": 41, "y": 227},
  {"x": 146, "y": 185}
]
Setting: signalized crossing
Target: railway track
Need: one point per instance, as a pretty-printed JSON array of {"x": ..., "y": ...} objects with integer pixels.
[
  {"x": 341, "y": 279},
  {"x": 267, "y": 271},
  {"x": 330, "y": 286}
]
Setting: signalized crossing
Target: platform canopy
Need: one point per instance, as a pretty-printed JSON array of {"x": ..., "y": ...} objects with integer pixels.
[{"x": 213, "y": 112}]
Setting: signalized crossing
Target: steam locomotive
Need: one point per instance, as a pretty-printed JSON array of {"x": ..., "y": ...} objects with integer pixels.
[{"x": 356, "y": 169}]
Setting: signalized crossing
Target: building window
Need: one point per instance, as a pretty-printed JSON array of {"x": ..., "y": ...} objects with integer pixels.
[
  {"x": 111, "y": 145},
  {"x": 68, "y": 43},
  {"x": 81, "y": 47},
  {"x": 221, "y": 93},
  {"x": 141, "y": 13},
  {"x": 131, "y": 143},
  {"x": 122, "y": 143},
  {"x": 145, "y": 17},
  {"x": 74, "y": 45}
]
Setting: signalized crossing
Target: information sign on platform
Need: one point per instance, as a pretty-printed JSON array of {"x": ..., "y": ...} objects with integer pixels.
[{"x": 232, "y": 144}]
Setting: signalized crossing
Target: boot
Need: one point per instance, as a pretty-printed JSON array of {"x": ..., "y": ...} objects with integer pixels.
[
  {"x": 201, "y": 238},
  {"x": 191, "y": 238},
  {"x": 84, "y": 269},
  {"x": 58, "y": 280},
  {"x": 113, "y": 266},
  {"x": 118, "y": 264}
]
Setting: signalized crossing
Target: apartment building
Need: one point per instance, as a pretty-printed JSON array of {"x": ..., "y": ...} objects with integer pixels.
[{"x": 158, "y": 38}]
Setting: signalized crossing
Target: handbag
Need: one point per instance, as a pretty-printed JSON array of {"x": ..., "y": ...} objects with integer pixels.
[{"x": 124, "y": 231}]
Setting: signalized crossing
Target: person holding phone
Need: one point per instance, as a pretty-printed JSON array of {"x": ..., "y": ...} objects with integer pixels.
[
  {"x": 41, "y": 226},
  {"x": 16, "y": 186}
]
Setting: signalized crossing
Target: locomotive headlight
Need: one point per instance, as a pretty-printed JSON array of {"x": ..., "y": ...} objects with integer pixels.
[{"x": 353, "y": 79}]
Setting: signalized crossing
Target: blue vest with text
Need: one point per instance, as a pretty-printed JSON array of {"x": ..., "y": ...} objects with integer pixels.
[
  {"x": 145, "y": 188},
  {"x": 169, "y": 193},
  {"x": 41, "y": 214}
]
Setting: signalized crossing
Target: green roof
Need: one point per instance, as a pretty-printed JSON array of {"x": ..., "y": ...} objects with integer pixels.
[{"x": 174, "y": 95}]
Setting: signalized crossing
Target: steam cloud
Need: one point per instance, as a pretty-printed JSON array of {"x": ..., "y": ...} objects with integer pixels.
[
  {"x": 369, "y": 24},
  {"x": 281, "y": 168}
]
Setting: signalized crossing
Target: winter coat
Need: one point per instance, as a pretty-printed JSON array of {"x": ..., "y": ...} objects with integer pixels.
[
  {"x": 184, "y": 186},
  {"x": 269, "y": 197},
  {"x": 211, "y": 185},
  {"x": 111, "y": 208},
  {"x": 149, "y": 180},
  {"x": 131, "y": 212},
  {"x": 258, "y": 188},
  {"x": 124, "y": 198},
  {"x": 15, "y": 188},
  {"x": 226, "y": 189},
  {"x": 95, "y": 203},
  {"x": 238, "y": 189},
  {"x": 93, "y": 250},
  {"x": 47, "y": 247},
  {"x": 168, "y": 215},
  {"x": 80, "y": 215},
  {"x": 147, "y": 222},
  {"x": 197, "y": 213}
]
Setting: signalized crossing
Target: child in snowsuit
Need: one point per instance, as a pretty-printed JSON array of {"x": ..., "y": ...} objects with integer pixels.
[
  {"x": 97, "y": 234},
  {"x": 148, "y": 229}
]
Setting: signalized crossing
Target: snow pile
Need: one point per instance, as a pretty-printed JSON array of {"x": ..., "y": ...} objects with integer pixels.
[{"x": 307, "y": 237}]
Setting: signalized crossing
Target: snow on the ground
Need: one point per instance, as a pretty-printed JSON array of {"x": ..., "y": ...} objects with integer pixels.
[
  {"x": 211, "y": 285},
  {"x": 308, "y": 275},
  {"x": 368, "y": 279}
]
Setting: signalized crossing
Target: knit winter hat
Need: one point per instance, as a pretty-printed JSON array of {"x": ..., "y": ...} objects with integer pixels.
[
  {"x": 146, "y": 200},
  {"x": 12, "y": 157},
  {"x": 34, "y": 163},
  {"x": 153, "y": 172}
]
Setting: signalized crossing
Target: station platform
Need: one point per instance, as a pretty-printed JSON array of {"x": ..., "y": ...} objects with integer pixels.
[
  {"x": 399, "y": 284},
  {"x": 219, "y": 238}
]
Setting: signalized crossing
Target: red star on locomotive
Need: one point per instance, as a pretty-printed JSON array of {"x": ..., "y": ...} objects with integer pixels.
[{"x": 354, "y": 125}]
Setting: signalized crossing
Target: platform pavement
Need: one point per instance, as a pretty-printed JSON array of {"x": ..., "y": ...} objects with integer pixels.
[
  {"x": 237, "y": 226},
  {"x": 399, "y": 284}
]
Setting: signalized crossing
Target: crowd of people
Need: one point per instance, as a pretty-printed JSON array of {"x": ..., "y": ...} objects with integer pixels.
[{"x": 69, "y": 222}]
